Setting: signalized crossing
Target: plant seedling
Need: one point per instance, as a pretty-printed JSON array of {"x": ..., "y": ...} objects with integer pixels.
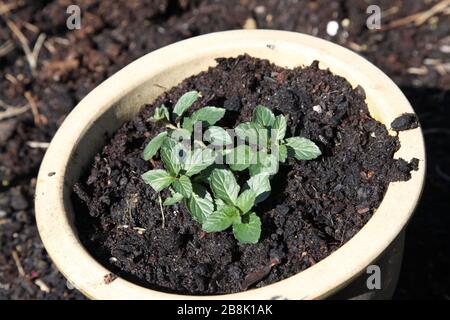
[
  {"x": 267, "y": 132},
  {"x": 210, "y": 191}
]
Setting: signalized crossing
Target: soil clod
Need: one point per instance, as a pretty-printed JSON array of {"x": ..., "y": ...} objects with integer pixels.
[{"x": 406, "y": 121}]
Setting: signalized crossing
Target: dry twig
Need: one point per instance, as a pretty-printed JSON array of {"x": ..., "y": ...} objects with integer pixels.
[
  {"x": 18, "y": 263},
  {"x": 31, "y": 55},
  {"x": 13, "y": 112},
  {"x": 31, "y": 27},
  {"x": 5, "y": 8},
  {"x": 38, "y": 144},
  {"x": 162, "y": 212},
  {"x": 42, "y": 285},
  {"x": 34, "y": 108},
  {"x": 5, "y": 221},
  {"x": 11, "y": 79},
  {"x": 421, "y": 17},
  {"x": 6, "y": 48}
]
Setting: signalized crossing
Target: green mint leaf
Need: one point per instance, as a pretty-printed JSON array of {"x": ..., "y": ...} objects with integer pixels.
[
  {"x": 221, "y": 220},
  {"x": 171, "y": 156},
  {"x": 279, "y": 127},
  {"x": 248, "y": 231},
  {"x": 161, "y": 113},
  {"x": 185, "y": 101},
  {"x": 175, "y": 198},
  {"x": 165, "y": 111},
  {"x": 205, "y": 175},
  {"x": 302, "y": 148},
  {"x": 183, "y": 186},
  {"x": 209, "y": 115},
  {"x": 218, "y": 136},
  {"x": 224, "y": 185},
  {"x": 188, "y": 124},
  {"x": 263, "y": 116},
  {"x": 282, "y": 152},
  {"x": 181, "y": 135},
  {"x": 266, "y": 163},
  {"x": 158, "y": 179},
  {"x": 154, "y": 145},
  {"x": 241, "y": 157},
  {"x": 200, "y": 204},
  {"x": 246, "y": 200},
  {"x": 260, "y": 184},
  {"x": 199, "y": 160},
  {"x": 219, "y": 204},
  {"x": 252, "y": 133}
]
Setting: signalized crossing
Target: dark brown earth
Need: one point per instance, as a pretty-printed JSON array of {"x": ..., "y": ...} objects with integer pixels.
[
  {"x": 314, "y": 207},
  {"x": 72, "y": 63}
]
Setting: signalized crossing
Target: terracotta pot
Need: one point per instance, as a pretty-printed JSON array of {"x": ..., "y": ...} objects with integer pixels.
[{"x": 119, "y": 98}]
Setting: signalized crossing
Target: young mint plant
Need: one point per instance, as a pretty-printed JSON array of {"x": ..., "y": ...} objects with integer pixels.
[
  {"x": 234, "y": 208},
  {"x": 161, "y": 113},
  {"x": 210, "y": 191},
  {"x": 267, "y": 132}
]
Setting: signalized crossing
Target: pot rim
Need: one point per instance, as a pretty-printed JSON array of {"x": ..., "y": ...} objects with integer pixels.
[{"x": 320, "y": 280}]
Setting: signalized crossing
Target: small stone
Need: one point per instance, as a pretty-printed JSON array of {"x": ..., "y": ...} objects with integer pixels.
[
  {"x": 250, "y": 23},
  {"x": 363, "y": 210},
  {"x": 110, "y": 277},
  {"x": 317, "y": 109},
  {"x": 2, "y": 214},
  {"x": 345, "y": 22},
  {"x": 140, "y": 231},
  {"x": 260, "y": 10},
  {"x": 69, "y": 285},
  {"x": 19, "y": 202},
  {"x": 123, "y": 181},
  {"x": 332, "y": 28},
  {"x": 444, "y": 48}
]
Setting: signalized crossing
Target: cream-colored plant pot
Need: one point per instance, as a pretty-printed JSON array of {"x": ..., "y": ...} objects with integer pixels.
[{"x": 120, "y": 97}]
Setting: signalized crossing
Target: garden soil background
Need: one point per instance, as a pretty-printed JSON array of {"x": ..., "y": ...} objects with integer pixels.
[{"x": 37, "y": 91}]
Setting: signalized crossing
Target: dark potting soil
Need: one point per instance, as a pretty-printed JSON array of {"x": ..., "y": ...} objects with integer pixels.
[{"x": 314, "y": 208}]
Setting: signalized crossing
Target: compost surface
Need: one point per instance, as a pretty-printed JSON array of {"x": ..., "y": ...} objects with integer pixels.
[{"x": 72, "y": 63}]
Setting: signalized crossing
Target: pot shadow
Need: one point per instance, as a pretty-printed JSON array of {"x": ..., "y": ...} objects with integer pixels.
[{"x": 426, "y": 260}]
